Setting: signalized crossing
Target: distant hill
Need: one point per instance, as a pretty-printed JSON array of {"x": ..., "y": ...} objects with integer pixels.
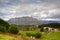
[
  {"x": 47, "y": 22},
  {"x": 24, "y": 21}
]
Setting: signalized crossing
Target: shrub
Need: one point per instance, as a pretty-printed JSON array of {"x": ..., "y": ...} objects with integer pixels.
[
  {"x": 46, "y": 29},
  {"x": 13, "y": 30},
  {"x": 28, "y": 34},
  {"x": 42, "y": 29},
  {"x": 36, "y": 35}
]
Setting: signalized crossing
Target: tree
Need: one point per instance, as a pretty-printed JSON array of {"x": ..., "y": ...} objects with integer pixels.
[
  {"x": 2, "y": 29},
  {"x": 13, "y": 30},
  {"x": 3, "y": 26}
]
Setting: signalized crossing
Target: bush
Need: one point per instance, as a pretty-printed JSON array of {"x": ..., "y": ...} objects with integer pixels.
[
  {"x": 36, "y": 35},
  {"x": 42, "y": 29},
  {"x": 13, "y": 30},
  {"x": 46, "y": 29},
  {"x": 30, "y": 34}
]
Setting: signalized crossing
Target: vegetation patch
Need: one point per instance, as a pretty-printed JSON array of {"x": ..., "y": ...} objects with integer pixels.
[{"x": 52, "y": 36}]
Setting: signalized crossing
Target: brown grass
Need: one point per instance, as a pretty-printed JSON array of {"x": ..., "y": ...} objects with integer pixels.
[{"x": 16, "y": 37}]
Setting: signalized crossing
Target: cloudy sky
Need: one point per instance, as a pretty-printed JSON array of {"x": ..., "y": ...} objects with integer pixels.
[{"x": 40, "y": 9}]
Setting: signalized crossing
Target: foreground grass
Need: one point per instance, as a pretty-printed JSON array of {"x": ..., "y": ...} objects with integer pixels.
[
  {"x": 14, "y": 37},
  {"x": 5, "y": 37},
  {"x": 52, "y": 36}
]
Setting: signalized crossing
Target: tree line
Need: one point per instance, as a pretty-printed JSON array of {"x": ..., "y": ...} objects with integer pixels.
[
  {"x": 53, "y": 25},
  {"x": 6, "y": 27}
]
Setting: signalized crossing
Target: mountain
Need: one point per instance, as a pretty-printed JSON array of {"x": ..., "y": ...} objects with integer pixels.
[
  {"x": 47, "y": 22},
  {"x": 30, "y": 21},
  {"x": 24, "y": 21}
]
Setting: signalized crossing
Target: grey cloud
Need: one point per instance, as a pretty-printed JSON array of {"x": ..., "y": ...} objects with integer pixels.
[{"x": 36, "y": 8}]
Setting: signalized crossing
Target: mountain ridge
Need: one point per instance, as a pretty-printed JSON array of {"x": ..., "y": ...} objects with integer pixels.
[
  {"x": 24, "y": 21},
  {"x": 29, "y": 21}
]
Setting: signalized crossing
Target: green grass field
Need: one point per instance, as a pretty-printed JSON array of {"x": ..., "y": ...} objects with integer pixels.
[
  {"x": 24, "y": 32},
  {"x": 52, "y": 36}
]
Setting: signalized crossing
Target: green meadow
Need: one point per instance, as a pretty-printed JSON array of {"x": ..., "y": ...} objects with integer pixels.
[{"x": 52, "y": 36}]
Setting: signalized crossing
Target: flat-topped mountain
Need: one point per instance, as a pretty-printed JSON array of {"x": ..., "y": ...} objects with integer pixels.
[{"x": 24, "y": 21}]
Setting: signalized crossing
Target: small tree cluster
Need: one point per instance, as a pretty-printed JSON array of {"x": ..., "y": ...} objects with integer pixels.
[{"x": 5, "y": 27}]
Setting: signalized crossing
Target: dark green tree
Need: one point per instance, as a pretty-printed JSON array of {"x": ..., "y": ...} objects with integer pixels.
[
  {"x": 13, "y": 30},
  {"x": 4, "y": 24},
  {"x": 2, "y": 29}
]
